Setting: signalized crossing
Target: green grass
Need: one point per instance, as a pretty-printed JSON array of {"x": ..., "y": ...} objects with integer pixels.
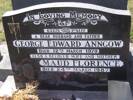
[
  {"x": 131, "y": 37},
  {"x": 2, "y": 37},
  {"x": 130, "y": 6},
  {"x": 5, "y": 5}
]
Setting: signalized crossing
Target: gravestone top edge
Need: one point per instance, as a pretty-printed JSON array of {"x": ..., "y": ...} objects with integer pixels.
[
  {"x": 117, "y": 4},
  {"x": 69, "y": 4}
]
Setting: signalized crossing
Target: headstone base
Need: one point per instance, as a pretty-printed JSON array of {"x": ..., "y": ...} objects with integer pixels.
[{"x": 116, "y": 91}]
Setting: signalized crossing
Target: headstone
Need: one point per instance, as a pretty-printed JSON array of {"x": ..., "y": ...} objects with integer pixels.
[
  {"x": 68, "y": 46},
  {"x": 116, "y": 4}
]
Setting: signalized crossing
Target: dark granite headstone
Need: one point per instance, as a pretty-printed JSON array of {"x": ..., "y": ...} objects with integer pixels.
[
  {"x": 68, "y": 46},
  {"x": 116, "y": 4}
]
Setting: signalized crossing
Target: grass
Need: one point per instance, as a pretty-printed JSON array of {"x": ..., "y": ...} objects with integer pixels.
[
  {"x": 2, "y": 37},
  {"x": 131, "y": 36},
  {"x": 5, "y": 5},
  {"x": 130, "y": 6}
]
